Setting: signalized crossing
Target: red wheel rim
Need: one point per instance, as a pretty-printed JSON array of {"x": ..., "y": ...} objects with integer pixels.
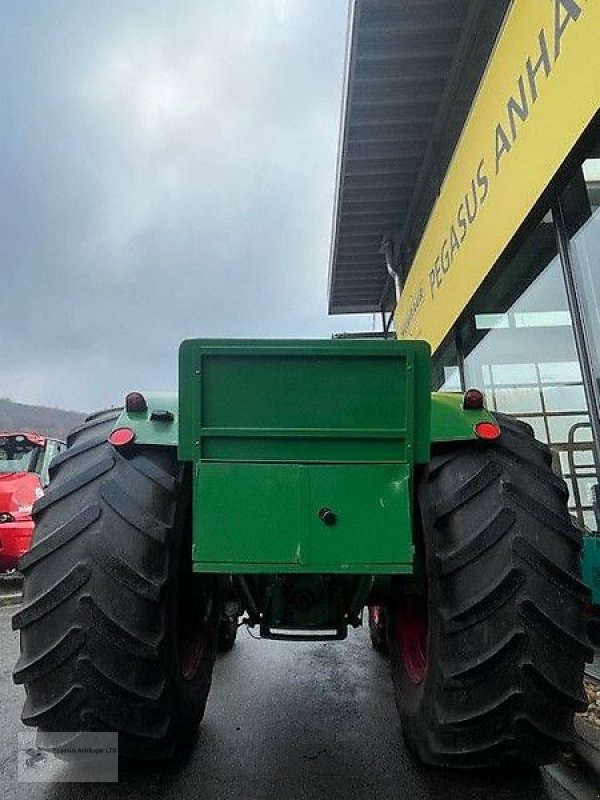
[
  {"x": 411, "y": 637},
  {"x": 374, "y": 615},
  {"x": 192, "y": 635},
  {"x": 191, "y": 649}
]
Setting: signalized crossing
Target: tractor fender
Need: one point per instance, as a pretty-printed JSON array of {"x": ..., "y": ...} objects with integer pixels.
[
  {"x": 158, "y": 425},
  {"x": 451, "y": 422}
]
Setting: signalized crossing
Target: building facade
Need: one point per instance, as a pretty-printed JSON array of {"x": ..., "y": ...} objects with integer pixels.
[{"x": 468, "y": 205}]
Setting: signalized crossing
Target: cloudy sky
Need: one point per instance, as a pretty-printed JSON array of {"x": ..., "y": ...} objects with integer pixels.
[{"x": 166, "y": 171}]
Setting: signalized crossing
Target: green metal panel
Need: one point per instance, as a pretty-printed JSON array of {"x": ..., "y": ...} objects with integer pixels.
[
  {"x": 148, "y": 431},
  {"x": 450, "y": 422},
  {"x": 280, "y": 430},
  {"x": 304, "y": 401},
  {"x": 265, "y": 518},
  {"x": 591, "y": 566}
]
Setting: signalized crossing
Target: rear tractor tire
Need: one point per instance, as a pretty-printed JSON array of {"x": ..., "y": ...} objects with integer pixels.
[
  {"x": 117, "y": 634},
  {"x": 488, "y": 662}
]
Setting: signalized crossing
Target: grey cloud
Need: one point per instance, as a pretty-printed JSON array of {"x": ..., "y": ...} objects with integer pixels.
[{"x": 165, "y": 174}]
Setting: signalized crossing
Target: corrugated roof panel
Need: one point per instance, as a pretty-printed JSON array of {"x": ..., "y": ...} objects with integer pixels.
[{"x": 400, "y": 56}]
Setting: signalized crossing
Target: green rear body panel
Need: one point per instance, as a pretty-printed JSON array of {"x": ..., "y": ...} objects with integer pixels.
[
  {"x": 257, "y": 517},
  {"x": 304, "y": 400},
  {"x": 281, "y": 431}
]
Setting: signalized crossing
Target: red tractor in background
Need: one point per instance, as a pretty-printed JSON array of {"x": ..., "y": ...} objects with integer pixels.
[{"x": 24, "y": 461}]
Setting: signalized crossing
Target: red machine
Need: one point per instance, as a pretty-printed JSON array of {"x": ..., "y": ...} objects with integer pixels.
[{"x": 24, "y": 461}]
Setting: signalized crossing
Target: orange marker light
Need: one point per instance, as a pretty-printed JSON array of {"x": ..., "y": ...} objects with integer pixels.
[
  {"x": 473, "y": 399},
  {"x": 135, "y": 401}
]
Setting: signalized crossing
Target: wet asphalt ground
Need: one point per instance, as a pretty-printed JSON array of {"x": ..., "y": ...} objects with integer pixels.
[{"x": 285, "y": 721}]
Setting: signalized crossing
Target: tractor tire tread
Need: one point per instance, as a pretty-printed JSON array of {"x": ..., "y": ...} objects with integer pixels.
[
  {"x": 64, "y": 534},
  {"x": 97, "y": 652},
  {"x": 93, "y": 421},
  {"x": 53, "y": 597},
  {"x": 507, "y": 609}
]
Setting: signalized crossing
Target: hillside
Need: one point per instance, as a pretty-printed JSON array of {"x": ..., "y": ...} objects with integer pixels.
[{"x": 50, "y": 421}]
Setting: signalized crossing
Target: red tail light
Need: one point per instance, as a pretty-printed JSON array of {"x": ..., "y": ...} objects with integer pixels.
[
  {"x": 487, "y": 430},
  {"x": 121, "y": 437}
]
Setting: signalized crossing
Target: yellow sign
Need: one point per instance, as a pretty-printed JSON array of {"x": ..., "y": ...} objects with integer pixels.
[{"x": 540, "y": 90}]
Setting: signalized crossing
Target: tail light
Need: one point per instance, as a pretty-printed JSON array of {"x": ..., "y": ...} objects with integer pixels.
[
  {"x": 135, "y": 401},
  {"x": 121, "y": 437},
  {"x": 487, "y": 430},
  {"x": 473, "y": 399}
]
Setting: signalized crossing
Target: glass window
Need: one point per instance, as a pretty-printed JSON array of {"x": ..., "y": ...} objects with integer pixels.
[
  {"x": 518, "y": 400},
  {"x": 18, "y": 454},
  {"x": 581, "y": 205},
  {"x": 556, "y": 398},
  {"x": 51, "y": 449},
  {"x": 520, "y": 350},
  {"x": 445, "y": 370}
]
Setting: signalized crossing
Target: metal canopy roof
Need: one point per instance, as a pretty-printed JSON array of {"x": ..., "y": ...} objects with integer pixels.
[{"x": 412, "y": 68}]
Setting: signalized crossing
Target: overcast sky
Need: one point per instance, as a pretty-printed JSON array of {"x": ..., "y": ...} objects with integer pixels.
[{"x": 166, "y": 171}]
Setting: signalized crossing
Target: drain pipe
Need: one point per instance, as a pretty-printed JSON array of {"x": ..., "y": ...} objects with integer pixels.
[{"x": 387, "y": 248}]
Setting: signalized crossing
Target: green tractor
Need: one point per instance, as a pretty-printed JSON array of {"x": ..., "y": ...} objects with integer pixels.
[{"x": 297, "y": 482}]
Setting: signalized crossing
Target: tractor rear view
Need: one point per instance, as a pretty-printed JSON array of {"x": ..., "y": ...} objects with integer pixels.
[{"x": 297, "y": 482}]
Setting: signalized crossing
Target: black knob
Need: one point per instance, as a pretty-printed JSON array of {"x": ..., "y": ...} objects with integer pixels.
[{"x": 327, "y": 516}]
